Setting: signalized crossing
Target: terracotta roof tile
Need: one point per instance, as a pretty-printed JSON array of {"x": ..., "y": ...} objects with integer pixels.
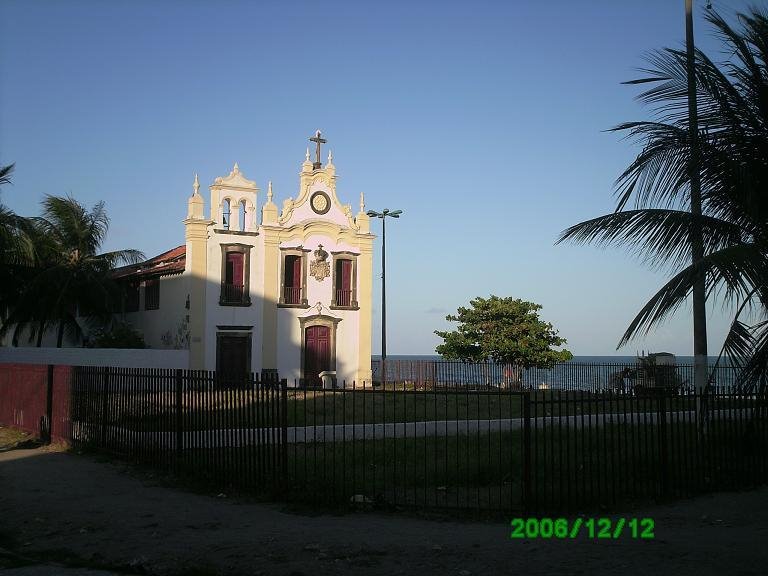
[{"x": 165, "y": 264}]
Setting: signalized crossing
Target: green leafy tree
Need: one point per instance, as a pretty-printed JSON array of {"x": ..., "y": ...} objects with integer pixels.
[
  {"x": 69, "y": 277},
  {"x": 504, "y": 330},
  {"x": 653, "y": 217}
]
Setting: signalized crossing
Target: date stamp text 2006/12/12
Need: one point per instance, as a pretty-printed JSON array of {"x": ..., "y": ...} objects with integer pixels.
[{"x": 600, "y": 528}]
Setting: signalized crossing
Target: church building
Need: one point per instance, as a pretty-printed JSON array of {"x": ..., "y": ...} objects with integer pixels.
[{"x": 289, "y": 293}]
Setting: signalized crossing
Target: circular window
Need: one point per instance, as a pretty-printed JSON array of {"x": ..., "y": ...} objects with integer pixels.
[{"x": 320, "y": 202}]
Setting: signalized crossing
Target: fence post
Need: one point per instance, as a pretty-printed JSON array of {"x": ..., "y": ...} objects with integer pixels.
[
  {"x": 283, "y": 431},
  {"x": 178, "y": 404},
  {"x": 104, "y": 407},
  {"x": 527, "y": 488},
  {"x": 664, "y": 456},
  {"x": 702, "y": 413},
  {"x": 48, "y": 424}
]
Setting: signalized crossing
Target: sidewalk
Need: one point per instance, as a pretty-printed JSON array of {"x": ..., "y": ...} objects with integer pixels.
[
  {"x": 54, "y": 506},
  {"x": 221, "y": 437}
]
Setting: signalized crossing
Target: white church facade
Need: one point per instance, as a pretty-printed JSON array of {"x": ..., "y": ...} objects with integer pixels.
[{"x": 287, "y": 293}]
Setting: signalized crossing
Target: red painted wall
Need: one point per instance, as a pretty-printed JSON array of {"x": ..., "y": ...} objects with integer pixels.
[{"x": 23, "y": 397}]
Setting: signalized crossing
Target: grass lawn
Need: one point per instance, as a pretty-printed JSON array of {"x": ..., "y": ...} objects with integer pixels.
[
  {"x": 223, "y": 409},
  {"x": 609, "y": 466},
  {"x": 12, "y": 437}
]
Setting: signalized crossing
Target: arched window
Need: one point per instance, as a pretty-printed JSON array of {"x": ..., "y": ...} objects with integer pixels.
[
  {"x": 241, "y": 220},
  {"x": 225, "y": 214}
]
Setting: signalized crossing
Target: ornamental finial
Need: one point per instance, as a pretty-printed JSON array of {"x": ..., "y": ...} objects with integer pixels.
[
  {"x": 269, "y": 192},
  {"x": 306, "y": 156},
  {"x": 330, "y": 156},
  {"x": 236, "y": 169},
  {"x": 196, "y": 185},
  {"x": 362, "y": 202}
]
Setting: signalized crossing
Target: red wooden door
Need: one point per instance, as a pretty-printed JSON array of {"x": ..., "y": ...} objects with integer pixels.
[{"x": 317, "y": 353}]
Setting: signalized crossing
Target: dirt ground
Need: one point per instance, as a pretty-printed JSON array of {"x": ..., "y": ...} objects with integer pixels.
[{"x": 57, "y": 507}]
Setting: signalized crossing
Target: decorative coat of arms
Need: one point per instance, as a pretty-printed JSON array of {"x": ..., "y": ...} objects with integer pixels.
[{"x": 320, "y": 268}]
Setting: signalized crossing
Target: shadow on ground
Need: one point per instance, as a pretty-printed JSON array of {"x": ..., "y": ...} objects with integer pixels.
[{"x": 57, "y": 507}]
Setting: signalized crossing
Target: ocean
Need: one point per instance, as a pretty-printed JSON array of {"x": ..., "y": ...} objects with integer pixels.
[
  {"x": 581, "y": 373},
  {"x": 682, "y": 360}
]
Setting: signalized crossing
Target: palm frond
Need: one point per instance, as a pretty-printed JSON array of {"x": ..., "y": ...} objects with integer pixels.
[
  {"x": 734, "y": 269},
  {"x": 122, "y": 257},
  {"x": 733, "y": 168},
  {"x": 753, "y": 374},
  {"x": 657, "y": 236},
  {"x": 5, "y": 173},
  {"x": 659, "y": 173},
  {"x": 739, "y": 342}
]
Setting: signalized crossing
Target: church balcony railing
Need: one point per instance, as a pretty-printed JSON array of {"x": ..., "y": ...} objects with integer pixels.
[
  {"x": 292, "y": 295},
  {"x": 234, "y": 294},
  {"x": 343, "y": 297}
]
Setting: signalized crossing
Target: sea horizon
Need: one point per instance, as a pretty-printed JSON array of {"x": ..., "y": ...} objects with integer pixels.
[{"x": 606, "y": 359}]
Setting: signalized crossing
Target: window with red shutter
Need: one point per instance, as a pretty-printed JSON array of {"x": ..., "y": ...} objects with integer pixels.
[
  {"x": 344, "y": 295},
  {"x": 343, "y": 282},
  {"x": 234, "y": 278},
  {"x": 234, "y": 275},
  {"x": 292, "y": 279}
]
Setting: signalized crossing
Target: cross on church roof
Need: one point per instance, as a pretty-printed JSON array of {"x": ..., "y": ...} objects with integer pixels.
[{"x": 317, "y": 140}]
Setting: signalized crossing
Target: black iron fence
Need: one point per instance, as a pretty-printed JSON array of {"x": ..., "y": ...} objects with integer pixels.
[
  {"x": 210, "y": 429},
  {"x": 414, "y": 445},
  {"x": 613, "y": 377}
]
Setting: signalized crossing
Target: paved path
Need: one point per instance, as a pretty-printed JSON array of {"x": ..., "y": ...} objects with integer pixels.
[
  {"x": 350, "y": 432},
  {"x": 56, "y": 505}
]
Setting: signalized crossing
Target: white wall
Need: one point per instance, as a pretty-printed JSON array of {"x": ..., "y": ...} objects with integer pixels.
[
  {"x": 167, "y": 319},
  {"x": 97, "y": 357},
  {"x": 289, "y": 333},
  {"x": 217, "y": 315},
  {"x": 347, "y": 350},
  {"x": 289, "y": 344}
]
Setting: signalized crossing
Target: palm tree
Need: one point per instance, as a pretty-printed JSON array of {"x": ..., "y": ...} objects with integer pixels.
[
  {"x": 15, "y": 245},
  {"x": 653, "y": 216},
  {"x": 69, "y": 275},
  {"x": 16, "y": 249}
]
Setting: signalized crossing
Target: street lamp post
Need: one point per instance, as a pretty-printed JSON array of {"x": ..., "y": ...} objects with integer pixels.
[{"x": 383, "y": 215}]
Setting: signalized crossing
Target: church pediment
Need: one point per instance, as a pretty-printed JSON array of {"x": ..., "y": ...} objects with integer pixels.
[
  {"x": 319, "y": 314},
  {"x": 236, "y": 180}
]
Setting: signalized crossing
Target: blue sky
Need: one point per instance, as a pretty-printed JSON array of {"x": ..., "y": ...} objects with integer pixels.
[{"x": 484, "y": 121}]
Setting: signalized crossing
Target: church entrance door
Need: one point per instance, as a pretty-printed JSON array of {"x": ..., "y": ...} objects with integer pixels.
[
  {"x": 317, "y": 354},
  {"x": 233, "y": 358}
]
